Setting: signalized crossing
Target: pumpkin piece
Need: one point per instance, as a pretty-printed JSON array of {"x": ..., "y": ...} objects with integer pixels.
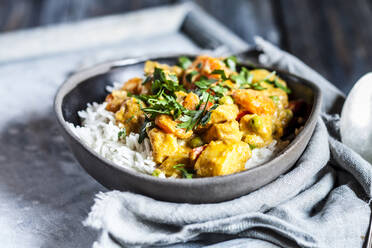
[
  {"x": 254, "y": 101},
  {"x": 168, "y": 125}
]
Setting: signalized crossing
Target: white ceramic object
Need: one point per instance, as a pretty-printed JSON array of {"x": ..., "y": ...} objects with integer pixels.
[{"x": 356, "y": 118}]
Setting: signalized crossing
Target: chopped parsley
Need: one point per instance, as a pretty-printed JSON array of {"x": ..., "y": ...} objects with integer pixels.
[
  {"x": 231, "y": 62},
  {"x": 190, "y": 75},
  {"x": 192, "y": 118},
  {"x": 275, "y": 98},
  {"x": 185, "y": 173},
  {"x": 143, "y": 130},
  {"x": 276, "y": 82},
  {"x": 147, "y": 79},
  {"x": 184, "y": 62},
  {"x": 221, "y": 73},
  {"x": 122, "y": 133},
  {"x": 129, "y": 119},
  {"x": 243, "y": 79}
]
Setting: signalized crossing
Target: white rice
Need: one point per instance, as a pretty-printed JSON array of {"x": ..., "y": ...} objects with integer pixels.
[{"x": 100, "y": 133}]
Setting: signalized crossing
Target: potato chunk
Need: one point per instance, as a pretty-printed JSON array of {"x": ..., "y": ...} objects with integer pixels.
[
  {"x": 220, "y": 158},
  {"x": 130, "y": 115},
  {"x": 224, "y": 112},
  {"x": 163, "y": 144},
  {"x": 227, "y": 131}
]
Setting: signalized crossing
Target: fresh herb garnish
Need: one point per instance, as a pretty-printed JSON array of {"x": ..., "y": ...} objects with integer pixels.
[
  {"x": 147, "y": 79},
  {"x": 276, "y": 82},
  {"x": 231, "y": 62},
  {"x": 192, "y": 118},
  {"x": 156, "y": 173},
  {"x": 184, "y": 62},
  {"x": 275, "y": 98},
  {"x": 185, "y": 173},
  {"x": 129, "y": 119},
  {"x": 220, "y": 72},
  {"x": 204, "y": 83},
  {"x": 143, "y": 134},
  {"x": 243, "y": 79},
  {"x": 122, "y": 133},
  {"x": 282, "y": 86},
  {"x": 190, "y": 75},
  {"x": 257, "y": 86},
  {"x": 219, "y": 90}
]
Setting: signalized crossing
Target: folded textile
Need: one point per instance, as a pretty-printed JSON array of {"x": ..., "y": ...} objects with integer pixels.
[{"x": 321, "y": 202}]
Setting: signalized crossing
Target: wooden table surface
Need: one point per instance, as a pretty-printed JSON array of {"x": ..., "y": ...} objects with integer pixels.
[{"x": 334, "y": 36}]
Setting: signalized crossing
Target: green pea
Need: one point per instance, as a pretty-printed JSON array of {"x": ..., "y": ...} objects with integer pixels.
[
  {"x": 256, "y": 122},
  {"x": 196, "y": 142},
  {"x": 156, "y": 173},
  {"x": 226, "y": 100},
  {"x": 289, "y": 113}
]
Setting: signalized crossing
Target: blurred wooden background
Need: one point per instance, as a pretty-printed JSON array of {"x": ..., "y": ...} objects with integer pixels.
[{"x": 333, "y": 36}]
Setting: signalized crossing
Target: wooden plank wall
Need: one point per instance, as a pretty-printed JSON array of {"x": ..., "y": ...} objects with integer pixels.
[{"x": 333, "y": 36}]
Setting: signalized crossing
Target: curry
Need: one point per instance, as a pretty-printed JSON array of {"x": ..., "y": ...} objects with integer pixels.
[{"x": 203, "y": 117}]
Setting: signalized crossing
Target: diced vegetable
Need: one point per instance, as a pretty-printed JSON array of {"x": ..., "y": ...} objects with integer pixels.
[{"x": 196, "y": 142}]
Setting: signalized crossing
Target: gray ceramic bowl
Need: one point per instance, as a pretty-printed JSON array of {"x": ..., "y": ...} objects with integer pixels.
[{"x": 89, "y": 86}]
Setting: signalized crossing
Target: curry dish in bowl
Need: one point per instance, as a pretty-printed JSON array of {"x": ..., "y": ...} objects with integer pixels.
[{"x": 203, "y": 117}]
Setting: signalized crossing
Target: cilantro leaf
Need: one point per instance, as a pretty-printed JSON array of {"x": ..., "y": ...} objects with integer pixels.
[
  {"x": 184, "y": 62},
  {"x": 185, "y": 173},
  {"x": 231, "y": 62},
  {"x": 282, "y": 86},
  {"x": 220, "y": 72},
  {"x": 122, "y": 133},
  {"x": 190, "y": 75}
]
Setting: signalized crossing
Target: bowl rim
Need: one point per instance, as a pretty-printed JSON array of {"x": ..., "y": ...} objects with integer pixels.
[{"x": 82, "y": 75}]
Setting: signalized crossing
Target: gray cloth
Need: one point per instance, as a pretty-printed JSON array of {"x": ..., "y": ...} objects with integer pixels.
[{"x": 321, "y": 202}]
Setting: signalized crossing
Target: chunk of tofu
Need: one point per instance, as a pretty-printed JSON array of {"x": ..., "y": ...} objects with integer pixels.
[
  {"x": 221, "y": 158},
  {"x": 163, "y": 144},
  {"x": 261, "y": 74},
  {"x": 130, "y": 115},
  {"x": 255, "y": 141},
  {"x": 226, "y": 131},
  {"x": 260, "y": 125},
  {"x": 254, "y": 101},
  {"x": 168, "y": 165},
  {"x": 279, "y": 94},
  {"x": 134, "y": 86},
  {"x": 224, "y": 112},
  {"x": 115, "y": 99}
]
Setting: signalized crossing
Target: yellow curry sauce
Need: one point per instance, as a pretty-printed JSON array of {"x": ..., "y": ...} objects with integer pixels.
[{"x": 202, "y": 117}]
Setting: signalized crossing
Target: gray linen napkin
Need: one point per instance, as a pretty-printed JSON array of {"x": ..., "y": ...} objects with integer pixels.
[{"x": 321, "y": 202}]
